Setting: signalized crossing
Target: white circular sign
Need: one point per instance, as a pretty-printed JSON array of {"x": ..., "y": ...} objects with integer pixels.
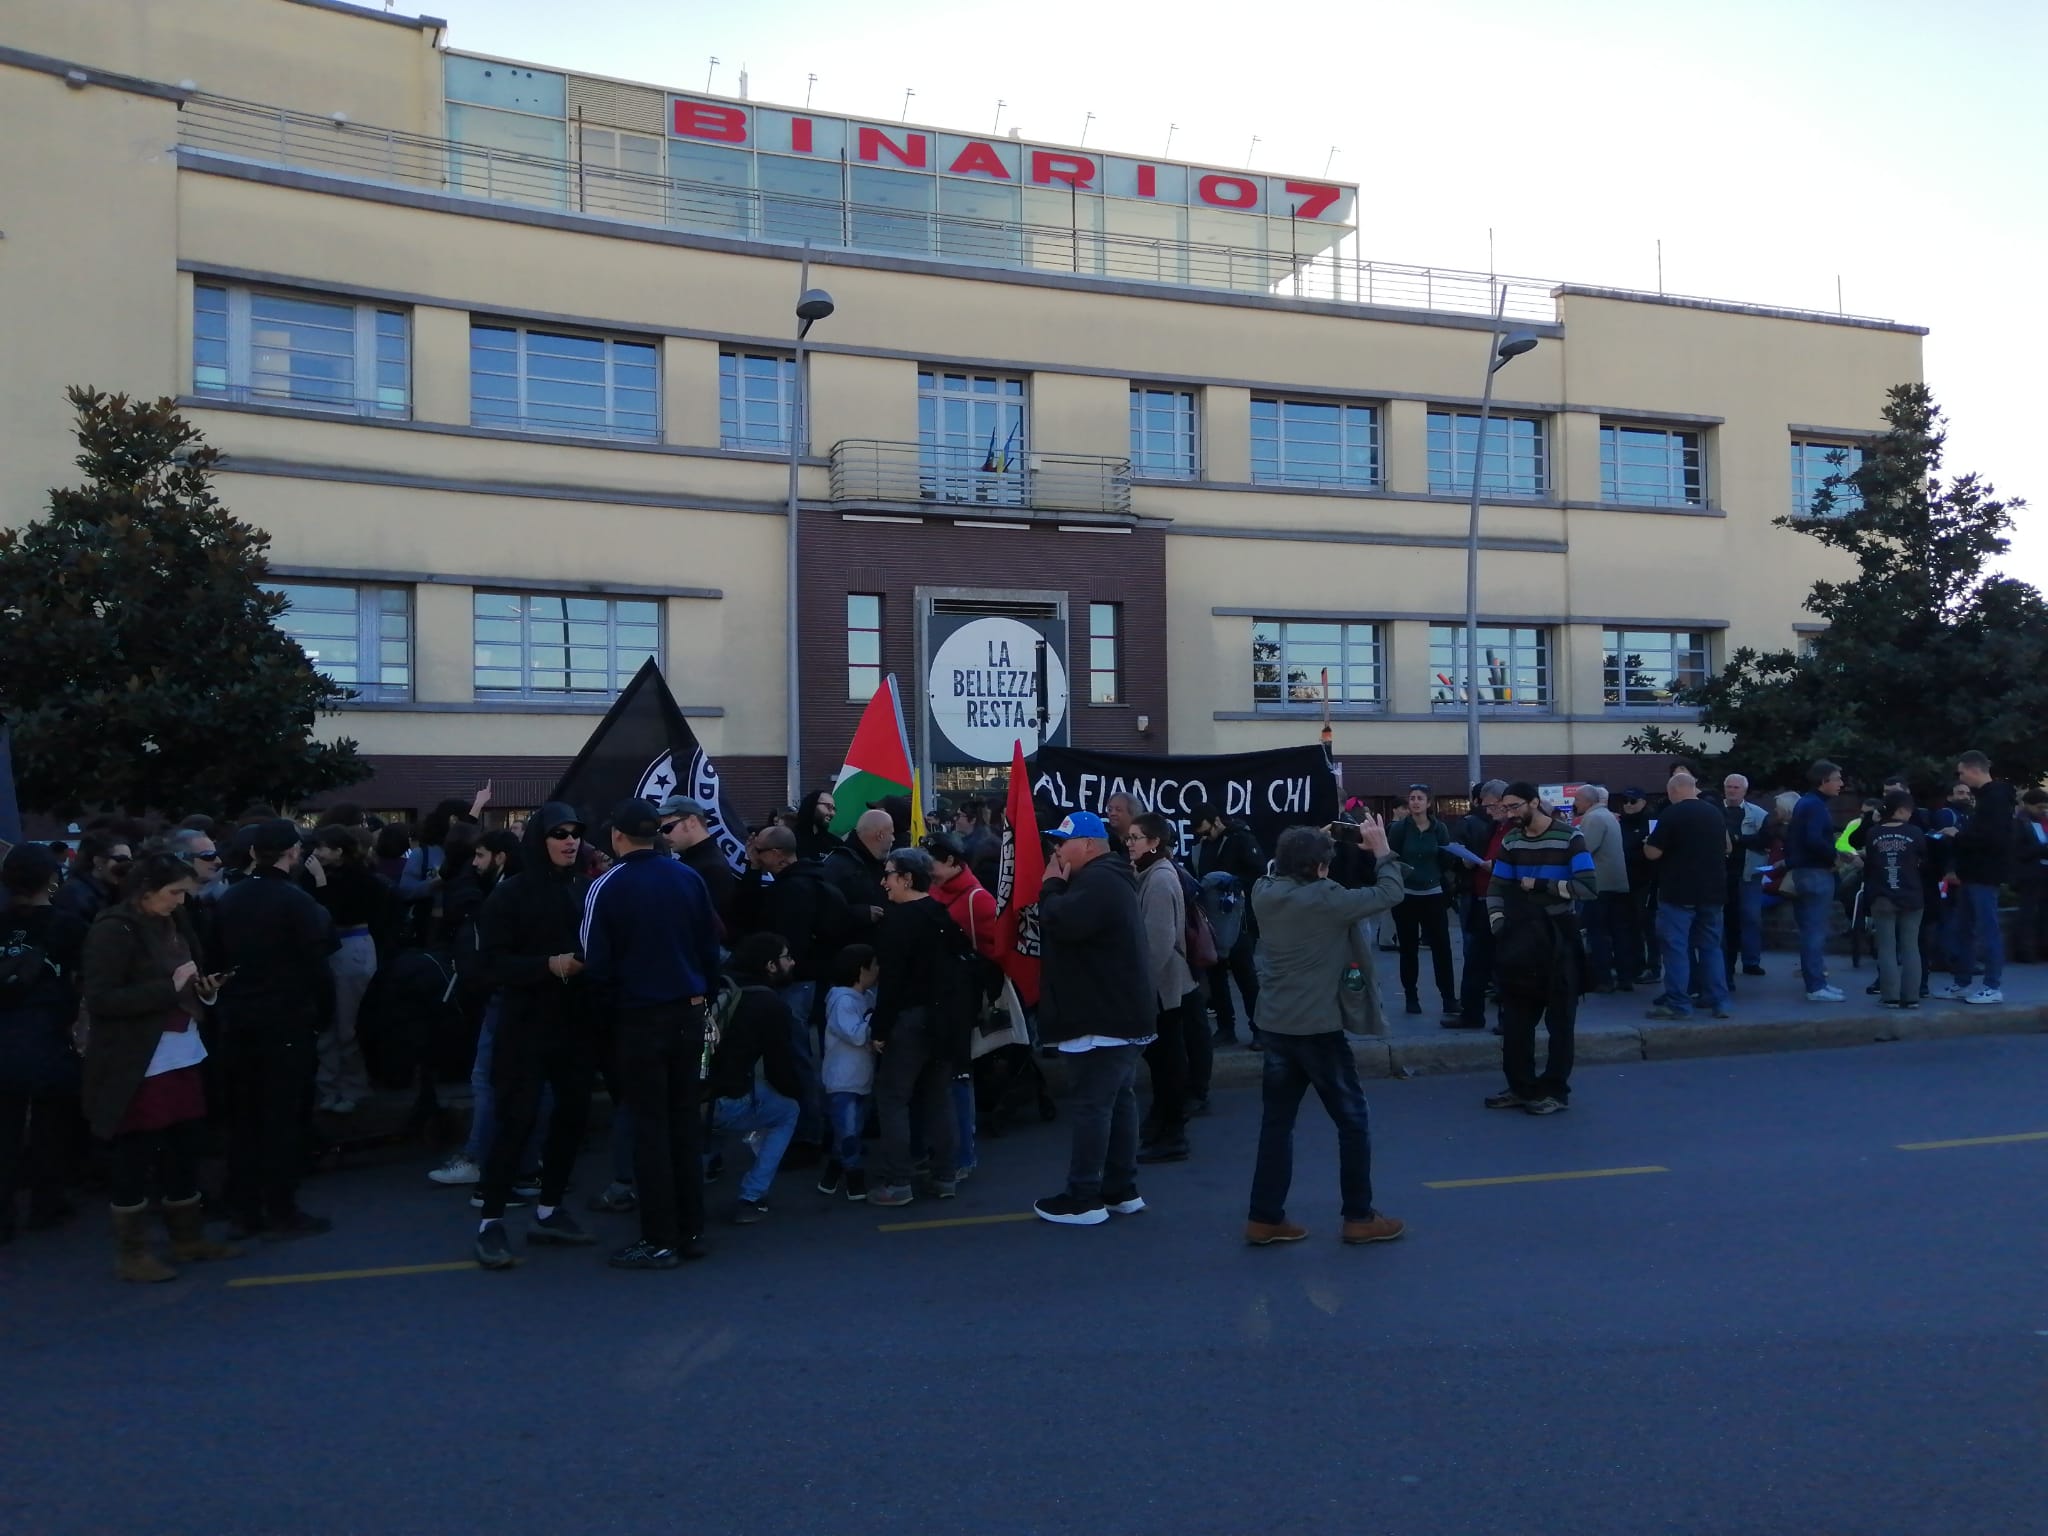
[{"x": 983, "y": 691}]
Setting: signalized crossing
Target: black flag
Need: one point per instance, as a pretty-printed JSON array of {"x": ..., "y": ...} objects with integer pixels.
[{"x": 645, "y": 747}]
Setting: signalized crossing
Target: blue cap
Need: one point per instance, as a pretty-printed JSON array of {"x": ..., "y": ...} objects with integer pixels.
[{"x": 1080, "y": 824}]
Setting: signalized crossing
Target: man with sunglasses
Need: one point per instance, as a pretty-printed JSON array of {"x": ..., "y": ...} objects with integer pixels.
[
  {"x": 686, "y": 829},
  {"x": 96, "y": 875},
  {"x": 527, "y": 938}
]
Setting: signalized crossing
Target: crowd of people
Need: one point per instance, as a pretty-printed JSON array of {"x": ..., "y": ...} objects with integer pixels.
[{"x": 177, "y": 1008}]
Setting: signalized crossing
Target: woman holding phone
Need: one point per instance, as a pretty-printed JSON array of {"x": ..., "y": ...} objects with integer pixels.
[{"x": 142, "y": 1054}]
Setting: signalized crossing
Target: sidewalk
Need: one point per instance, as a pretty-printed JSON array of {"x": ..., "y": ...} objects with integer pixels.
[{"x": 1770, "y": 1013}]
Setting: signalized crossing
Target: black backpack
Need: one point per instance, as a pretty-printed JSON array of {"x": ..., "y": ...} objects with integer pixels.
[{"x": 25, "y": 966}]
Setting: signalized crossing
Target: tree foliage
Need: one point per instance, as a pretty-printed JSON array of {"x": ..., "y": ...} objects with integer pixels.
[
  {"x": 1927, "y": 653},
  {"x": 143, "y": 667}
]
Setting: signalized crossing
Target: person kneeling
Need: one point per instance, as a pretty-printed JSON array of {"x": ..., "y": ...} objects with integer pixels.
[{"x": 757, "y": 1036}]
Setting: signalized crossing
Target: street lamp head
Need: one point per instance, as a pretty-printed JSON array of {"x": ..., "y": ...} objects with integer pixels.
[
  {"x": 1512, "y": 346},
  {"x": 814, "y": 306}
]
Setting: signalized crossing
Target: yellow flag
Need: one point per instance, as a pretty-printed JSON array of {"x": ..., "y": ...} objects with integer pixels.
[{"x": 916, "y": 811}]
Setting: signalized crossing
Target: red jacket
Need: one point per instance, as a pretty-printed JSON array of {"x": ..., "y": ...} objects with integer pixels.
[{"x": 972, "y": 909}]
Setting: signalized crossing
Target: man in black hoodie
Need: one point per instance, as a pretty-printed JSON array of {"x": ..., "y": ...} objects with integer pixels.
[
  {"x": 527, "y": 944},
  {"x": 1230, "y": 847},
  {"x": 753, "y": 1046},
  {"x": 917, "y": 1029},
  {"x": 1983, "y": 855}
]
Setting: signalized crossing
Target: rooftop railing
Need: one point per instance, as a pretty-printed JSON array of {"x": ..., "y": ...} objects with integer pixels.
[{"x": 275, "y": 136}]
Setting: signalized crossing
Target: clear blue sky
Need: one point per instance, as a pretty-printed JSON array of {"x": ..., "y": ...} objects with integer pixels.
[{"x": 1772, "y": 145}]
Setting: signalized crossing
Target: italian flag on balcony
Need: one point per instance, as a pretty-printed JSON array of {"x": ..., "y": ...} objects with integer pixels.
[{"x": 877, "y": 764}]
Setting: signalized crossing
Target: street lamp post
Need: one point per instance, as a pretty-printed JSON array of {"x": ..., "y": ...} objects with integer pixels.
[
  {"x": 812, "y": 305},
  {"x": 1504, "y": 350}
]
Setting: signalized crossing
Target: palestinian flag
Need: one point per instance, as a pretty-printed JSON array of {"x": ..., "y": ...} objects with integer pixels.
[{"x": 878, "y": 762}]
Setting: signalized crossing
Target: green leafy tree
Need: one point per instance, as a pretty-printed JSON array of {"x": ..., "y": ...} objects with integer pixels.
[
  {"x": 1927, "y": 653},
  {"x": 143, "y": 668}
]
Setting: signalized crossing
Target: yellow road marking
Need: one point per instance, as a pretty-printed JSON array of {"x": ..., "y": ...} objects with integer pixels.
[
  {"x": 351, "y": 1274},
  {"x": 1972, "y": 1141},
  {"x": 953, "y": 1221},
  {"x": 1542, "y": 1178}
]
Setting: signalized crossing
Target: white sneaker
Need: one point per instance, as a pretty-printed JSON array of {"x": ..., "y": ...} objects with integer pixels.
[
  {"x": 1984, "y": 995},
  {"x": 1949, "y": 992},
  {"x": 1826, "y": 995},
  {"x": 457, "y": 1170},
  {"x": 341, "y": 1106}
]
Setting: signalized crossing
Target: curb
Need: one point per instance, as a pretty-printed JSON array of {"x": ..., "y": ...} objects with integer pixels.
[{"x": 1672, "y": 1040}]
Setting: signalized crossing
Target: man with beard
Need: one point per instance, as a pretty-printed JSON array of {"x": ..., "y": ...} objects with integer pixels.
[
  {"x": 527, "y": 936},
  {"x": 1542, "y": 872}
]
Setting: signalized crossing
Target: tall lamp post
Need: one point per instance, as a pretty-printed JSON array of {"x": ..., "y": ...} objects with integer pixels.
[
  {"x": 1505, "y": 350},
  {"x": 812, "y": 305}
]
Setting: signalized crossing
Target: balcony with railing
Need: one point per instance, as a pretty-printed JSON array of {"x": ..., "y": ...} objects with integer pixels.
[{"x": 1022, "y": 485}]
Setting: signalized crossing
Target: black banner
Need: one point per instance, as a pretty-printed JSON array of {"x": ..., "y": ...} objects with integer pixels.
[
  {"x": 645, "y": 747},
  {"x": 1270, "y": 791}
]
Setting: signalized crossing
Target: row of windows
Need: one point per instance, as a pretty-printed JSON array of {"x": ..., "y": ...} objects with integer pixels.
[
  {"x": 525, "y": 645},
  {"x": 263, "y": 346},
  {"x": 864, "y": 649},
  {"x": 1298, "y": 662}
]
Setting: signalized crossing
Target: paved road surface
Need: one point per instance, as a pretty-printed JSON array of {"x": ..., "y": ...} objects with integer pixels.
[{"x": 1795, "y": 1326}]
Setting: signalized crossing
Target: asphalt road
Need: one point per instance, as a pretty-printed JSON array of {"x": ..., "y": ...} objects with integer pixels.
[{"x": 1795, "y": 1326}]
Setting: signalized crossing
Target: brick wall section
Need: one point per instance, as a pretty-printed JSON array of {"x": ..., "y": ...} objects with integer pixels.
[
  {"x": 1378, "y": 777},
  {"x": 753, "y": 784},
  {"x": 895, "y": 559}
]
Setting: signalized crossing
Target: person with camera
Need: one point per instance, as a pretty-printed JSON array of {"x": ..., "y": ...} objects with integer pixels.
[{"x": 1306, "y": 945}]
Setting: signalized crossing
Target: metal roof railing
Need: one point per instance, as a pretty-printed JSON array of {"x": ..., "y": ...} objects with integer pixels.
[{"x": 276, "y": 136}]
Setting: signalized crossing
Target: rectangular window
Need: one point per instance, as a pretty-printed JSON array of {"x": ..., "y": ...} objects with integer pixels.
[
  {"x": 1311, "y": 442},
  {"x": 1645, "y": 667},
  {"x": 1163, "y": 433},
  {"x": 1104, "y": 623},
  {"x": 536, "y": 645},
  {"x": 1652, "y": 467},
  {"x": 971, "y": 433},
  {"x": 863, "y": 645},
  {"x": 620, "y": 173},
  {"x": 1514, "y": 667},
  {"x": 1516, "y": 461},
  {"x": 1816, "y": 465},
  {"x": 1291, "y": 658},
  {"x": 756, "y": 398},
  {"x": 549, "y": 381},
  {"x": 273, "y": 348},
  {"x": 360, "y": 637}
]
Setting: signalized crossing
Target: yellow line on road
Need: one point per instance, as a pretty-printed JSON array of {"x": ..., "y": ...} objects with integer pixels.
[
  {"x": 350, "y": 1274},
  {"x": 1972, "y": 1141},
  {"x": 953, "y": 1221},
  {"x": 1542, "y": 1178}
]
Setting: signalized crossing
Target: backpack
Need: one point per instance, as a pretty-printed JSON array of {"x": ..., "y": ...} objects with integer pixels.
[
  {"x": 718, "y": 1014},
  {"x": 1224, "y": 905},
  {"x": 24, "y": 966},
  {"x": 1200, "y": 938},
  {"x": 962, "y": 985}
]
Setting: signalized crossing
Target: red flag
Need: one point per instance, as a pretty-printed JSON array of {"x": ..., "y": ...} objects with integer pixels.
[{"x": 1018, "y": 876}]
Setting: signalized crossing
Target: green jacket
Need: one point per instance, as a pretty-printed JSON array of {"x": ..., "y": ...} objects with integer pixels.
[
  {"x": 1304, "y": 945},
  {"x": 1421, "y": 852}
]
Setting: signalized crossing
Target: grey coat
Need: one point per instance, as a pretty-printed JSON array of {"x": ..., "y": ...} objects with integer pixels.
[
  {"x": 1164, "y": 911},
  {"x": 1305, "y": 945}
]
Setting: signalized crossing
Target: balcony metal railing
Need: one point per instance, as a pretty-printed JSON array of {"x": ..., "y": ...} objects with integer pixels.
[
  {"x": 267, "y": 135},
  {"x": 866, "y": 470}
]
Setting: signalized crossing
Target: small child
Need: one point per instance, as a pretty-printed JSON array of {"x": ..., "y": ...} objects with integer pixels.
[{"x": 849, "y": 1071}]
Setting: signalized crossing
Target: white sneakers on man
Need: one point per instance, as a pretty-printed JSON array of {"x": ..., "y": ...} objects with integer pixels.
[
  {"x": 1825, "y": 995},
  {"x": 1983, "y": 995}
]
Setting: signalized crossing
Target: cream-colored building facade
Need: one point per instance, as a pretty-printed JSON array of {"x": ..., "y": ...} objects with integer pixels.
[{"x": 1220, "y": 458}]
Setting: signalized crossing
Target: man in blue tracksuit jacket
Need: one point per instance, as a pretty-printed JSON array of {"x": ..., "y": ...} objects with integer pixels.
[
  {"x": 650, "y": 940},
  {"x": 1810, "y": 860}
]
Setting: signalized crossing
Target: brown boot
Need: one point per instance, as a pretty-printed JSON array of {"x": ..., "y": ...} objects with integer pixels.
[
  {"x": 1376, "y": 1229},
  {"x": 1260, "y": 1233},
  {"x": 185, "y": 1221},
  {"x": 133, "y": 1260}
]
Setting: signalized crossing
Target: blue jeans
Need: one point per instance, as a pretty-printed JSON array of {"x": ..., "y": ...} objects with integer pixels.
[
  {"x": 768, "y": 1112},
  {"x": 849, "y": 1112},
  {"x": 963, "y": 1122},
  {"x": 800, "y": 997},
  {"x": 1977, "y": 924},
  {"x": 1813, "y": 904},
  {"x": 1688, "y": 935},
  {"x": 1293, "y": 1065},
  {"x": 483, "y": 1103},
  {"x": 1749, "y": 909}
]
